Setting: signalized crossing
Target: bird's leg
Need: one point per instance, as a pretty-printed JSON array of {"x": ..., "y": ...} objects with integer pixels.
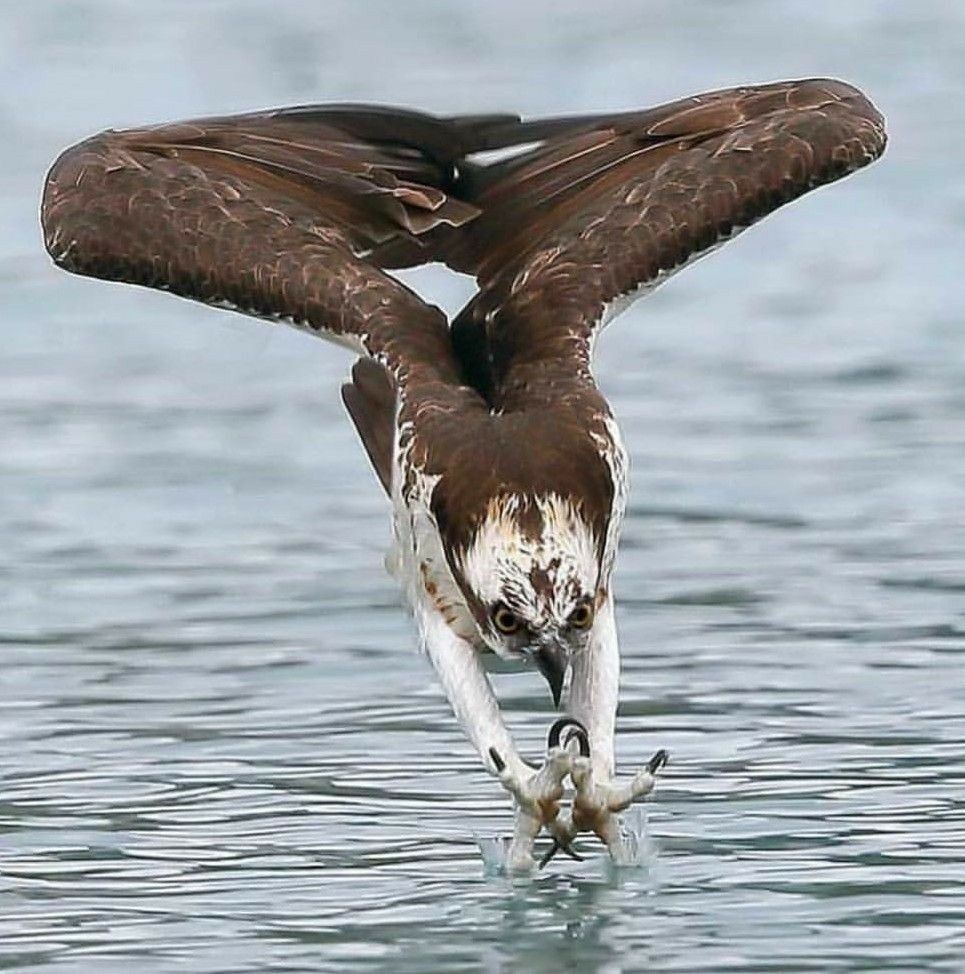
[
  {"x": 596, "y": 805},
  {"x": 536, "y": 792},
  {"x": 595, "y": 688},
  {"x": 537, "y": 804},
  {"x": 538, "y": 799},
  {"x": 593, "y": 701}
]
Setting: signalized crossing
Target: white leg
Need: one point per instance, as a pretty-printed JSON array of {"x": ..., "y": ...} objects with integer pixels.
[
  {"x": 595, "y": 688},
  {"x": 471, "y": 696},
  {"x": 469, "y": 691},
  {"x": 593, "y": 701}
]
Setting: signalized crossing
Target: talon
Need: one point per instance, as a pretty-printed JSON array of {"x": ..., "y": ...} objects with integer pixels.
[
  {"x": 558, "y": 846},
  {"x": 537, "y": 793},
  {"x": 658, "y": 761},
  {"x": 548, "y": 855},
  {"x": 578, "y": 730},
  {"x": 581, "y": 736},
  {"x": 572, "y": 853}
]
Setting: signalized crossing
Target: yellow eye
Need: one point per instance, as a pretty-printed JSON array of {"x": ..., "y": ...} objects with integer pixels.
[
  {"x": 582, "y": 616},
  {"x": 504, "y": 620}
]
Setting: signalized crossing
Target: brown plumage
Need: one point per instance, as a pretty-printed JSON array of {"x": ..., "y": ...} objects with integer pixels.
[
  {"x": 295, "y": 215},
  {"x": 506, "y": 470}
]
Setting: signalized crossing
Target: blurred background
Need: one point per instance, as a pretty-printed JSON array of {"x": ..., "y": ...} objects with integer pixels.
[{"x": 219, "y": 750}]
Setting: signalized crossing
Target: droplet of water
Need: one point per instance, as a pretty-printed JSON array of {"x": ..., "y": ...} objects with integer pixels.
[
  {"x": 638, "y": 850},
  {"x": 638, "y": 847},
  {"x": 493, "y": 850}
]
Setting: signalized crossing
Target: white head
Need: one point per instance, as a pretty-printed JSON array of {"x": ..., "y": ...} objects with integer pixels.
[{"x": 532, "y": 576}]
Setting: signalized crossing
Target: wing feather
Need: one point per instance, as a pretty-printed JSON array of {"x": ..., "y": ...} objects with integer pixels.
[
  {"x": 607, "y": 207},
  {"x": 270, "y": 214},
  {"x": 292, "y": 213}
]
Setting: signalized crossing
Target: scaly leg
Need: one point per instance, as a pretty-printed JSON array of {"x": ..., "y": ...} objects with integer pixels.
[
  {"x": 593, "y": 701},
  {"x": 537, "y": 793}
]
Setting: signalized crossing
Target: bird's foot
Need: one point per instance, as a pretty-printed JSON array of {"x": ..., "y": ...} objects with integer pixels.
[
  {"x": 538, "y": 793},
  {"x": 596, "y": 806}
]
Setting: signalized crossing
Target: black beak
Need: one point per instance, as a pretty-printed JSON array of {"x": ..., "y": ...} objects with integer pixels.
[{"x": 552, "y": 662}]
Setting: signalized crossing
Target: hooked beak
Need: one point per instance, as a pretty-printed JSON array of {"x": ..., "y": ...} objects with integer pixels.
[{"x": 552, "y": 661}]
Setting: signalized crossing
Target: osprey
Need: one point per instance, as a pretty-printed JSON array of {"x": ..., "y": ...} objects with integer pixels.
[{"x": 504, "y": 465}]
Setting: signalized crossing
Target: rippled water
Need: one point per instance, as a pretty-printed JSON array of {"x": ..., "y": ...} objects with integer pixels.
[{"x": 218, "y": 749}]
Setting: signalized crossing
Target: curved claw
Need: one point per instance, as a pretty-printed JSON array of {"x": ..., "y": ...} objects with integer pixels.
[
  {"x": 536, "y": 794},
  {"x": 558, "y": 846},
  {"x": 579, "y": 732},
  {"x": 596, "y": 805},
  {"x": 660, "y": 760}
]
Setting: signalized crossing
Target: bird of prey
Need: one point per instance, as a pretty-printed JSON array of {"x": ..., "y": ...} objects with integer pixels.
[{"x": 504, "y": 465}]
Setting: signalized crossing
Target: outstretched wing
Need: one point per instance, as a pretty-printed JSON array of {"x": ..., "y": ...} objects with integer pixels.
[
  {"x": 274, "y": 214},
  {"x": 601, "y": 209}
]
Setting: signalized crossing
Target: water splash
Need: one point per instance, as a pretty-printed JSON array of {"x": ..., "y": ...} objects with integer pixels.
[
  {"x": 494, "y": 851},
  {"x": 639, "y": 849}
]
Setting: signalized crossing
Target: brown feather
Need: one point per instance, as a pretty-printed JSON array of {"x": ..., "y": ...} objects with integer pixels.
[
  {"x": 170, "y": 207},
  {"x": 599, "y": 211},
  {"x": 292, "y": 213},
  {"x": 370, "y": 399}
]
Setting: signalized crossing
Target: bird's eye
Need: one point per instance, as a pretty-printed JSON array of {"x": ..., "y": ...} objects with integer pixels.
[
  {"x": 506, "y": 621},
  {"x": 582, "y": 615}
]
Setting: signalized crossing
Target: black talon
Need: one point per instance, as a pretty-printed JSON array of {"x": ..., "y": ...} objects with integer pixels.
[
  {"x": 553, "y": 849},
  {"x": 572, "y": 853},
  {"x": 581, "y": 736},
  {"x": 498, "y": 762},
  {"x": 557, "y": 846},
  {"x": 579, "y": 731},
  {"x": 658, "y": 761}
]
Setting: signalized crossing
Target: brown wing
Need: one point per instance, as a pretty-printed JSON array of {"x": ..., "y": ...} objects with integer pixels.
[
  {"x": 271, "y": 214},
  {"x": 601, "y": 208}
]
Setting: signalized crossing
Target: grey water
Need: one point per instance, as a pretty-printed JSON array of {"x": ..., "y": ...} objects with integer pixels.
[{"x": 219, "y": 748}]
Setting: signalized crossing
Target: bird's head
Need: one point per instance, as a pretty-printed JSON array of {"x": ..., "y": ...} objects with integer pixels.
[{"x": 531, "y": 575}]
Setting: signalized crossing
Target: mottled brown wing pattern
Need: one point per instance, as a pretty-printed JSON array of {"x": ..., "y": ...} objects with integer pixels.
[
  {"x": 265, "y": 214},
  {"x": 292, "y": 214},
  {"x": 617, "y": 204}
]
